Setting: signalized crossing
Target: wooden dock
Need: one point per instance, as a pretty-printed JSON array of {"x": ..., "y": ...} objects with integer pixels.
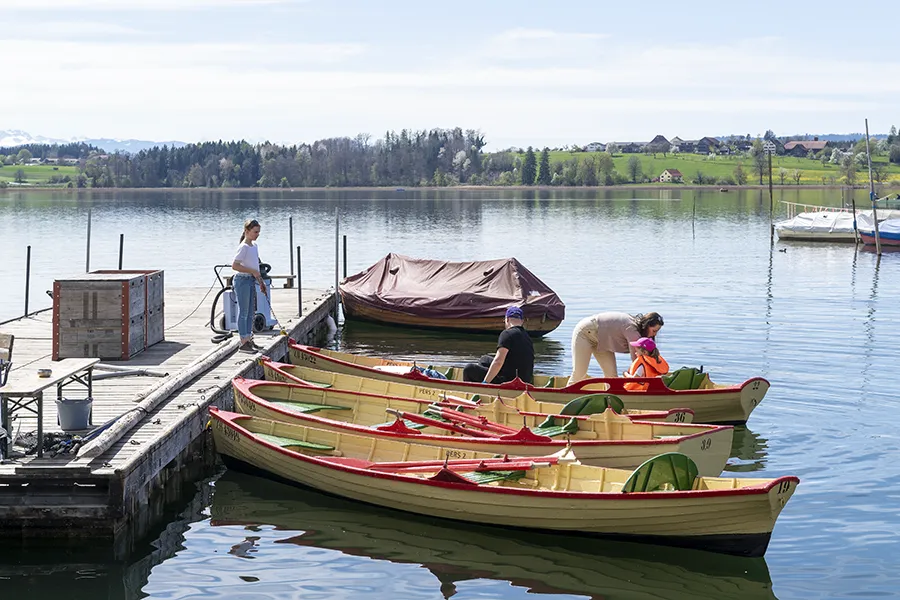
[{"x": 120, "y": 491}]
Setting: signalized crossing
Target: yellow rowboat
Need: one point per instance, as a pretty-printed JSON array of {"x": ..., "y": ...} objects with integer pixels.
[
  {"x": 540, "y": 563},
  {"x": 714, "y": 403},
  {"x": 488, "y": 406},
  {"x": 606, "y": 439},
  {"x": 663, "y": 501}
]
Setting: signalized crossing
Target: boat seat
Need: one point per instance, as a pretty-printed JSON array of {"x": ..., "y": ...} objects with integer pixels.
[
  {"x": 284, "y": 442},
  {"x": 667, "y": 472},
  {"x": 686, "y": 378},
  {"x": 592, "y": 404},
  {"x": 305, "y": 407},
  {"x": 550, "y": 428},
  {"x": 482, "y": 477}
]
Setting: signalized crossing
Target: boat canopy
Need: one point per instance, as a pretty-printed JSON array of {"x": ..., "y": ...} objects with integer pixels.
[{"x": 453, "y": 290}]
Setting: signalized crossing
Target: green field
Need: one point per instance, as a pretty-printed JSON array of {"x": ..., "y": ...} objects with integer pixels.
[
  {"x": 812, "y": 172},
  {"x": 37, "y": 174}
]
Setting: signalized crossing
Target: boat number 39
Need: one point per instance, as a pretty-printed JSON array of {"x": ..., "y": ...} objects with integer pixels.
[{"x": 705, "y": 443}]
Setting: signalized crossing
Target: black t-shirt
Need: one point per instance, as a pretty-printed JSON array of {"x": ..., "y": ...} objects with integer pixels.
[{"x": 519, "y": 357}]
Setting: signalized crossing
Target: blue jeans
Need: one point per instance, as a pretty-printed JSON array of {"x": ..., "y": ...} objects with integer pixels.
[{"x": 245, "y": 288}]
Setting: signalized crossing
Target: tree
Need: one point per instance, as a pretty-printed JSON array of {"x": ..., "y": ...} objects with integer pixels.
[
  {"x": 770, "y": 135},
  {"x": 760, "y": 162},
  {"x": 848, "y": 168},
  {"x": 23, "y": 156},
  {"x": 740, "y": 177},
  {"x": 795, "y": 174},
  {"x": 529, "y": 167},
  {"x": 894, "y": 154},
  {"x": 634, "y": 168},
  {"x": 782, "y": 173},
  {"x": 612, "y": 148},
  {"x": 20, "y": 176},
  {"x": 545, "y": 177}
]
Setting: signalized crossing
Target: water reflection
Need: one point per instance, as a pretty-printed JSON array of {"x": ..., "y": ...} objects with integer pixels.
[
  {"x": 438, "y": 347},
  {"x": 748, "y": 451},
  {"x": 542, "y": 563}
]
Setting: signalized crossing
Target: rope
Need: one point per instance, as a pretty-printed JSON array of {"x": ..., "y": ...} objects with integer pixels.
[{"x": 191, "y": 314}]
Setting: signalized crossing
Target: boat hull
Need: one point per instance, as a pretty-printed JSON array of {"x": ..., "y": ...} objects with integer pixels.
[
  {"x": 886, "y": 239},
  {"x": 606, "y": 440},
  {"x": 736, "y": 521},
  {"x": 718, "y": 404}
]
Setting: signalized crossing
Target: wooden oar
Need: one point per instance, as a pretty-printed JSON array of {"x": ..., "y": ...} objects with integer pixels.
[
  {"x": 423, "y": 420},
  {"x": 463, "y": 465},
  {"x": 476, "y": 421}
]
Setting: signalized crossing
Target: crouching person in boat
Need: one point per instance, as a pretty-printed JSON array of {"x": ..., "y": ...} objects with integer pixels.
[
  {"x": 647, "y": 363},
  {"x": 514, "y": 356}
]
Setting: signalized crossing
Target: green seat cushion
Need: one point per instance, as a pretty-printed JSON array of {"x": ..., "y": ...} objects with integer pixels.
[
  {"x": 284, "y": 442},
  {"x": 592, "y": 404},
  {"x": 305, "y": 407},
  {"x": 480, "y": 477},
  {"x": 671, "y": 471},
  {"x": 685, "y": 378},
  {"x": 554, "y": 426}
]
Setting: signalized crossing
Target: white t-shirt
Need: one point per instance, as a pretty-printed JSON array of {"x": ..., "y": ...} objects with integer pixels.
[{"x": 248, "y": 256}]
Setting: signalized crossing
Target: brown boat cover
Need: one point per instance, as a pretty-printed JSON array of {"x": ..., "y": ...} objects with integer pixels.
[{"x": 453, "y": 290}]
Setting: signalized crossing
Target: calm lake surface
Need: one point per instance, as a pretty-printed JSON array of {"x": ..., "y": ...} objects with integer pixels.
[{"x": 818, "y": 320}]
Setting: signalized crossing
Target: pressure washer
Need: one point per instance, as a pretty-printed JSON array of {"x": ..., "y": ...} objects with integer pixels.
[{"x": 226, "y": 324}]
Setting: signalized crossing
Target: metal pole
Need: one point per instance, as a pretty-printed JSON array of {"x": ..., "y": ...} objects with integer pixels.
[
  {"x": 27, "y": 277},
  {"x": 771, "y": 195},
  {"x": 291, "y": 242},
  {"x": 337, "y": 255},
  {"x": 87, "y": 258},
  {"x": 345, "y": 256},
  {"x": 121, "y": 248},
  {"x": 872, "y": 194},
  {"x": 299, "y": 287}
]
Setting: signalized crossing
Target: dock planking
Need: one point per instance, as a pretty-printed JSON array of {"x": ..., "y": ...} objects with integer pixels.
[{"x": 102, "y": 492}]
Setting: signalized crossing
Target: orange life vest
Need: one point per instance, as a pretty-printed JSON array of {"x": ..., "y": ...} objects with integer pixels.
[{"x": 653, "y": 367}]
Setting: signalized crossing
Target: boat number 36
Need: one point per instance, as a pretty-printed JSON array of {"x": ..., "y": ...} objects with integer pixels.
[
  {"x": 705, "y": 443},
  {"x": 678, "y": 417}
]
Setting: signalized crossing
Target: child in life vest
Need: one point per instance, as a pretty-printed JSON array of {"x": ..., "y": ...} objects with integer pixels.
[{"x": 647, "y": 364}]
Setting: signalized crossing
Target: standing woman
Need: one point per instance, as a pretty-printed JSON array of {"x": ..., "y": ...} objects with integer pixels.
[
  {"x": 246, "y": 265},
  {"x": 606, "y": 333}
]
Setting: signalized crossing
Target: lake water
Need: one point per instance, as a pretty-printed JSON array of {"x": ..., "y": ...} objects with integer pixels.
[{"x": 817, "y": 320}]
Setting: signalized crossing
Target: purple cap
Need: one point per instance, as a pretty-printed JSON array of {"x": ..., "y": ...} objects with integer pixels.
[
  {"x": 514, "y": 312},
  {"x": 646, "y": 343}
]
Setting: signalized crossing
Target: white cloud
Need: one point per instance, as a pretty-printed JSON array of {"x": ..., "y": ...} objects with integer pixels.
[
  {"x": 55, "y": 30},
  {"x": 300, "y": 92},
  {"x": 522, "y": 44},
  {"x": 126, "y": 5}
]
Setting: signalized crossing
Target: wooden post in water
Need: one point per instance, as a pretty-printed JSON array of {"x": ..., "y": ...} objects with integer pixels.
[
  {"x": 27, "y": 277},
  {"x": 337, "y": 257},
  {"x": 121, "y": 248},
  {"x": 291, "y": 244},
  {"x": 299, "y": 287},
  {"x": 345, "y": 256},
  {"x": 87, "y": 259},
  {"x": 853, "y": 208},
  {"x": 872, "y": 194}
]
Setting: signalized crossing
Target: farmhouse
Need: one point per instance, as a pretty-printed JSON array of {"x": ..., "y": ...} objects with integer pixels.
[
  {"x": 671, "y": 176},
  {"x": 707, "y": 145},
  {"x": 804, "y": 147},
  {"x": 595, "y": 147}
]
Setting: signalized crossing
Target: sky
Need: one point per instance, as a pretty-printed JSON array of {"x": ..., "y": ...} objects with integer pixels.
[{"x": 523, "y": 73}]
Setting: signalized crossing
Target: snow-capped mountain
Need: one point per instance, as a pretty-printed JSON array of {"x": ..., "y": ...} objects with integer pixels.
[{"x": 16, "y": 137}]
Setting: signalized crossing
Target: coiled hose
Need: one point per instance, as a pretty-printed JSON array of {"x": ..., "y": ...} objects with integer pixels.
[{"x": 221, "y": 334}]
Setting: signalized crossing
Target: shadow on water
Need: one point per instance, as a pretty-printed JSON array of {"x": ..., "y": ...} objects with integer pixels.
[
  {"x": 542, "y": 563},
  {"x": 438, "y": 347},
  {"x": 748, "y": 451}
]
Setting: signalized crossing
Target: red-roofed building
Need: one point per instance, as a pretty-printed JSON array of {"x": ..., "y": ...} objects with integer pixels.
[
  {"x": 803, "y": 147},
  {"x": 671, "y": 176}
]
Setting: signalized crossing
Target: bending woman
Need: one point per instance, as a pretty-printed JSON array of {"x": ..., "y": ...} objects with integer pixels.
[
  {"x": 246, "y": 265},
  {"x": 606, "y": 333}
]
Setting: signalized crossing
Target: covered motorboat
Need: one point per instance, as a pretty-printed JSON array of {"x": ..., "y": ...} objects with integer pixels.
[
  {"x": 466, "y": 296},
  {"x": 888, "y": 233},
  {"x": 829, "y": 224}
]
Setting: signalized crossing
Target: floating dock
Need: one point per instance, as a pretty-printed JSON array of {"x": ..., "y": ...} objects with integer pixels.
[{"x": 120, "y": 493}]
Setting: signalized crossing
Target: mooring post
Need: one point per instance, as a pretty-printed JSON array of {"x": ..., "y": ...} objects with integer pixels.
[
  {"x": 27, "y": 277},
  {"x": 345, "y": 256},
  {"x": 121, "y": 248},
  {"x": 87, "y": 258},
  {"x": 291, "y": 244},
  {"x": 337, "y": 253},
  {"x": 299, "y": 287}
]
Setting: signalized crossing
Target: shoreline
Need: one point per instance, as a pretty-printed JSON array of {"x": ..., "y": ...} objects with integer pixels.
[{"x": 468, "y": 188}]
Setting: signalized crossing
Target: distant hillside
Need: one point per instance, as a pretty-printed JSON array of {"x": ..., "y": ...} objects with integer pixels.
[{"x": 17, "y": 137}]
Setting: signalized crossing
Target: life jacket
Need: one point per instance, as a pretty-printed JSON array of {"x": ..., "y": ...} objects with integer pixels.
[{"x": 653, "y": 367}]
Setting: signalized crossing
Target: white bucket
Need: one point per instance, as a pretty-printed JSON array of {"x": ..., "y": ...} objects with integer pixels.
[{"x": 74, "y": 413}]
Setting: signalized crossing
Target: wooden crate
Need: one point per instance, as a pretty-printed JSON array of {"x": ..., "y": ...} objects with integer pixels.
[{"x": 106, "y": 314}]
